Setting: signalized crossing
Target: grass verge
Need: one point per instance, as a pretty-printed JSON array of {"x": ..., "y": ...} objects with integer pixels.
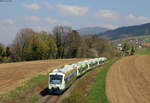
[
  {"x": 97, "y": 93},
  {"x": 91, "y": 87},
  {"x": 27, "y": 93},
  {"x": 143, "y": 51},
  {"x": 79, "y": 93}
]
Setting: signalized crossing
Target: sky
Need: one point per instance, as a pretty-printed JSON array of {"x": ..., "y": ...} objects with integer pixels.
[{"x": 43, "y": 15}]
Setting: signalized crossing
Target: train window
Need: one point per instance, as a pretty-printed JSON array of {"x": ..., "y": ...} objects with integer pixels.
[{"x": 56, "y": 79}]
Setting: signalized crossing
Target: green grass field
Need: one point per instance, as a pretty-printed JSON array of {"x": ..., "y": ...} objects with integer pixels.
[
  {"x": 143, "y": 51},
  {"x": 147, "y": 41},
  {"x": 26, "y": 93},
  {"x": 139, "y": 37},
  {"x": 97, "y": 93}
]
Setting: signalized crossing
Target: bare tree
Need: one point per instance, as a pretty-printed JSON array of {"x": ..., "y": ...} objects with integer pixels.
[
  {"x": 18, "y": 46},
  {"x": 72, "y": 44},
  {"x": 60, "y": 33}
]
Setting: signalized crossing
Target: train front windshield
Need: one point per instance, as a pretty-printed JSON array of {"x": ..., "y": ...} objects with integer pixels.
[{"x": 55, "y": 79}]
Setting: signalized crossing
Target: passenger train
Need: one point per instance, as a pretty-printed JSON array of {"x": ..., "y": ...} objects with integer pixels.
[{"x": 61, "y": 78}]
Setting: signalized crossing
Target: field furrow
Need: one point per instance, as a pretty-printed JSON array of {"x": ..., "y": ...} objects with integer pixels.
[{"x": 128, "y": 80}]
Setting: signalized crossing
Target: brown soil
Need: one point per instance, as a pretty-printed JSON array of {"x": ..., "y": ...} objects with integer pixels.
[
  {"x": 128, "y": 80},
  {"x": 13, "y": 75}
]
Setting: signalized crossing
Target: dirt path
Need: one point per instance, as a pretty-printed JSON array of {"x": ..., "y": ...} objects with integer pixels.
[
  {"x": 128, "y": 80},
  {"x": 14, "y": 74},
  {"x": 49, "y": 99}
]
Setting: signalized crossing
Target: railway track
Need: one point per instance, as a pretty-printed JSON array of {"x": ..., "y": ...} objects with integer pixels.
[
  {"x": 53, "y": 98},
  {"x": 50, "y": 99},
  {"x": 57, "y": 98}
]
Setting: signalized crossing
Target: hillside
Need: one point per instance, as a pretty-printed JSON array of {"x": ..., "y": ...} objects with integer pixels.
[
  {"x": 137, "y": 30},
  {"x": 128, "y": 80},
  {"x": 92, "y": 30}
]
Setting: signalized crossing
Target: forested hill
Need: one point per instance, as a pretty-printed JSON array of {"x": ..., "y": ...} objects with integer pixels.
[{"x": 137, "y": 30}]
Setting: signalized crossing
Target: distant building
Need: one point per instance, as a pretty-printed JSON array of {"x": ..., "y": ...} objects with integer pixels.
[
  {"x": 140, "y": 46},
  {"x": 145, "y": 45},
  {"x": 119, "y": 47}
]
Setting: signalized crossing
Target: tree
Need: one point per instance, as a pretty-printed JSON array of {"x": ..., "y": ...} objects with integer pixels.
[
  {"x": 49, "y": 41},
  {"x": 127, "y": 47},
  {"x": 19, "y": 44},
  {"x": 40, "y": 46},
  {"x": 35, "y": 50},
  {"x": 7, "y": 53},
  {"x": 83, "y": 50},
  {"x": 31, "y": 45},
  {"x": 64, "y": 43},
  {"x": 72, "y": 44},
  {"x": 95, "y": 46},
  {"x": 2, "y": 52},
  {"x": 132, "y": 51},
  {"x": 60, "y": 33}
]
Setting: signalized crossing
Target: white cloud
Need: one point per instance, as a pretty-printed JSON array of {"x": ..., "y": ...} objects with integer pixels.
[
  {"x": 56, "y": 22},
  {"x": 32, "y": 18},
  {"x": 33, "y": 6},
  {"x": 73, "y": 10},
  {"x": 143, "y": 19},
  {"x": 107, "y": 14},
  {"x": 7, "y": 21},
  {"x": 133, "y": 19},
  {"x": 50, "y": 21}
]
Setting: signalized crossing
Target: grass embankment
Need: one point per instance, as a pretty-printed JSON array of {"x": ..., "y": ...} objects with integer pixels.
[
  {"x": 143, "y": 51},
  {"x": 97, "y": 93},
  {"x": 27, "y": 93},
  {"x": 91, "y": 87}
]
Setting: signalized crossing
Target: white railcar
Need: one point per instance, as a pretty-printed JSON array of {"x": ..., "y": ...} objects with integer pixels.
[
  {"x": 103, "y": 59},
  {"x": 93, "y": 63},
  {"x": 82, "y": 67},
  {"x": 61, "y": 78}
]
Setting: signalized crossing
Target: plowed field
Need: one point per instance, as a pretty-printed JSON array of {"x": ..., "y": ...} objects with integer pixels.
[
  {"x": 128, "y": 80},
  {"x": 14, "y": 74}
]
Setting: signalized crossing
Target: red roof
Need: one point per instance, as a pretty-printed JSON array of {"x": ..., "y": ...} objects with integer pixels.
[{"x": 146, "y": 44}]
